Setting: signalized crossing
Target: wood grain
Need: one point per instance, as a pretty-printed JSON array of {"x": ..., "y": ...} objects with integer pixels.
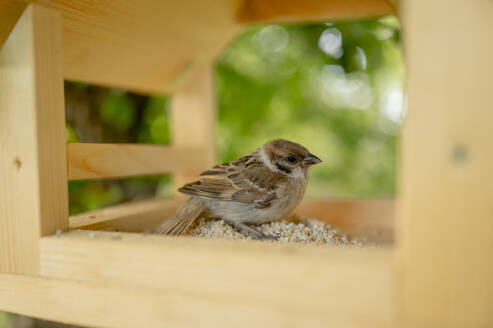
[
  {"x": 311, "y": 10},
  {"x": 95, "y": 161},
  {"x": 445, "y": 233},
  {"x": 372, "y": 219},
  {"x": 216, "y": 283},
  {"x": 33, "y": 188},
  {"x": 193, "y": 117},
  {"x": 134, "y": 216},
  {"x": 155, "y": 46},
  {"x": 143, "y": 45}
]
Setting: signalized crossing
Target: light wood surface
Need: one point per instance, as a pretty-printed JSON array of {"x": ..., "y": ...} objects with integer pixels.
[
  {"x": 221, "y": 283},
  {"x": 142, "y": 45},
  {"x": 96, "y": 305},
  {"x": 132, "y": 216},
  {"x": 95, "y": 161},
  {"x": 445, "y": 234},
  {"x": 311, "y": 10},
  {"x": 155, "y": 46},
  {"x": 372, "y": 219},
  {"x": 33, "y": 188},
  {"x": 193, "y": 117}
]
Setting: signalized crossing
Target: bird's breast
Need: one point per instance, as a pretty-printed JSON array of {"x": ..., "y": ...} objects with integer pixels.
[{"x": 288, "y": 196}]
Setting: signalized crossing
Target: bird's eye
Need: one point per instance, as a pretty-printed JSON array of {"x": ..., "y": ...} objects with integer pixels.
[{"x": 291, "y": 158}]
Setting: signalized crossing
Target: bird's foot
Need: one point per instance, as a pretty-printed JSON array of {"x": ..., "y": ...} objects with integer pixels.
[{"x": 252, "y": 232}]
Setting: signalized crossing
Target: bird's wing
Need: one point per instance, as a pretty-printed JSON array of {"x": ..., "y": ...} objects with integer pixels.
[{"x": 244, "y": 180}]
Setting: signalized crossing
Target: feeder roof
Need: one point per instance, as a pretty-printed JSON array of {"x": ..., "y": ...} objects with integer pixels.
[{"x": 152, "y": 46}]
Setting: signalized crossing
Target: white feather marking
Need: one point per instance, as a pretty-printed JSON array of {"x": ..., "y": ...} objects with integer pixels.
[
  {"x": 298, "y": 173},
  {"x": 265, "y": 159}
]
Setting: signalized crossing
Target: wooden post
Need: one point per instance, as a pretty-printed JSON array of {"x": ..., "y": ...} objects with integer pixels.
[
  {"x": 445, "y": 234},
  {"x": 193, "y": 115},
  {"x": 33, "y": 171},
  {"x": 254, "y": 11}
]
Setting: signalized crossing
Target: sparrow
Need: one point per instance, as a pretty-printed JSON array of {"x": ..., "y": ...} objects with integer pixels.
[{"x": 260, "y": 187}]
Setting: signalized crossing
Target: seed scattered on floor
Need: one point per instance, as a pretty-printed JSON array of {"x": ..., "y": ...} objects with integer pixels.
[{"x": 305, "y": 231}]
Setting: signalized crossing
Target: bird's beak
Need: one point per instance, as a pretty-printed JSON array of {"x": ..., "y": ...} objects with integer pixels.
[{"x": 311, "y": 160}]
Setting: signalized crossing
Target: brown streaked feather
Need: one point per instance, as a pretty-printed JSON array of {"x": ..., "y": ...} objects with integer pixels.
[
  {"x": 244, "y": 180},
  {"x": 183, "y": 218}
]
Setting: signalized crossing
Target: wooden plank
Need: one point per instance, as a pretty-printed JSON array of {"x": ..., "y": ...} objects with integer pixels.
[
  {"x": 255, "y": 11},
  {"x": 193, "y": 116},
  {"x": 135, "y": 216},
  {"x": 445, "y": 233},
  {"x": 372, "y": 219},
  {"x": 33, "y": 192},
  {"x": 10, "y": 12},
  {"x": 141, "y": 45},
  {"x": 114, "y": 305},
  {"x": 154, "y": 46},
  {"x": 94, "y": 305},
  {"x": 96, "y": 161},
  {"x": 229, "y": 283}
]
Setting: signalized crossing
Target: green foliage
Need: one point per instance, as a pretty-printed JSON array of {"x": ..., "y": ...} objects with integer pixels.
[
  {"x": 154, "y": 127},
  {"x": 4, "y": 319},
  {"x": 277, "y": 81},
  {"x": 89, "y": 195},
  {"x": 118, "y": 111},
  {"x": 70, "y": 134}
]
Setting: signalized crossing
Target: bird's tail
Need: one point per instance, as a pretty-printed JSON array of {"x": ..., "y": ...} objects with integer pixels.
[{"x": 183, "y": 217}]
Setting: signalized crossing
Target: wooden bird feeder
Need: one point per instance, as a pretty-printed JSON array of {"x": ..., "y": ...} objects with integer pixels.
[{"x": 437, "y": 273}]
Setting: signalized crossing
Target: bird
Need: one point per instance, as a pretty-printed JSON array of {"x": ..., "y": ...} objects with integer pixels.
[{"x": 260, "y": 187}]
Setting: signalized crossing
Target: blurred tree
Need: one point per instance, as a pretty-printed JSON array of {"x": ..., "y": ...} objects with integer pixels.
[
  {"x": 336, "y": 88},
  {"x": 4, "y": 319},
  {"x": 118, "y": 111}
]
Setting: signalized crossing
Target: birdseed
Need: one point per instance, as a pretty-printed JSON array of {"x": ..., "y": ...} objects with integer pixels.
[{"x": 305, "y": 231}]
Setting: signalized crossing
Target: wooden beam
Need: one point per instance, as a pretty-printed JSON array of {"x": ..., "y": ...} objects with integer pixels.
[
  {"x": 96, "y": 161},
  {"x": 156, "y": 46},
  {"x": 372, "y": 219},
  {"x": 445, "y": 234},
  {"x": 218, "y": 282},
  {"x": 10, "y": 12},
  {"x": 193, "y": 116},
  {"x": 33, "y": 188},
  {"x": 94, "y": 305},
  {"x": 256, "y": 11},
  {"x": 145, "y": 46},
  {"x": 135, "y": 216},
  {"x": 115, "y": 305}
]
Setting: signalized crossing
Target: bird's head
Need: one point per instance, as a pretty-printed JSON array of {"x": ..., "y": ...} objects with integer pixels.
[{"x": 288, "y": 157}]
